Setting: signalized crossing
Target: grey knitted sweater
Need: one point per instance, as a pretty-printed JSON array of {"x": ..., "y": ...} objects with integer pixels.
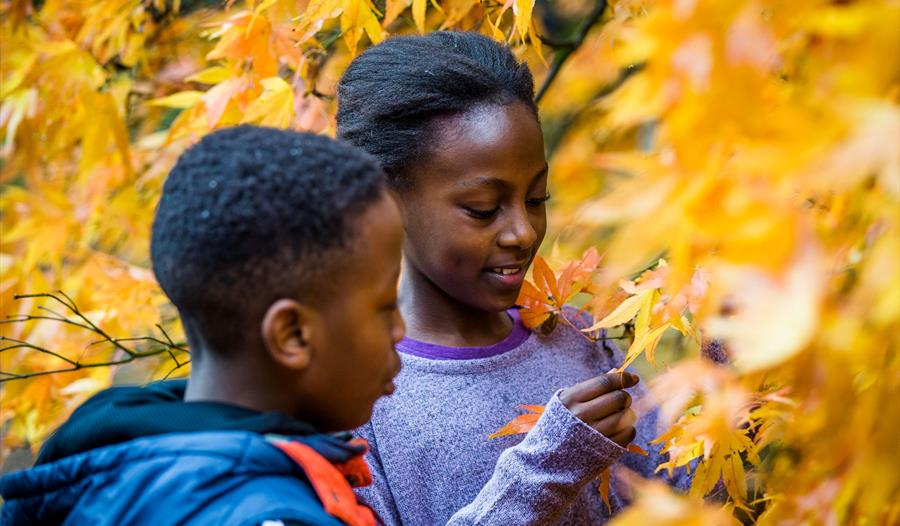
[{"x": 433, "y": 464}]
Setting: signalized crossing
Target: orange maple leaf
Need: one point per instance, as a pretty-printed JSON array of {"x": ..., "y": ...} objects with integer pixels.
[
  {"x": 547, "y": 294},
  {"x": 536, "y": 308},
  {"x": 634, "y": 448},
  {"x": 603, "y": 488},
  {"x": 522, "y": 423}
]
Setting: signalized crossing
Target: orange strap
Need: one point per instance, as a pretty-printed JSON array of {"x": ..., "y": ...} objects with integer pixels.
[
  {"x": 355, "y": 470},
  {"x": 332, "y": 488}
]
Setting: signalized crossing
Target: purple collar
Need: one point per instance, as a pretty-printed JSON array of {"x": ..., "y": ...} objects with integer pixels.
[{"x": 440, "y": 352}]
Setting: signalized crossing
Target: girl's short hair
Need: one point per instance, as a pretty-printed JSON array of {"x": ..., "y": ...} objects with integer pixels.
[{"x": 391, "y": 94}]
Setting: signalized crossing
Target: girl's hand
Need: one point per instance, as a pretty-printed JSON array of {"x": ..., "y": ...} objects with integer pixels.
[{"x": 602, "y": 403}]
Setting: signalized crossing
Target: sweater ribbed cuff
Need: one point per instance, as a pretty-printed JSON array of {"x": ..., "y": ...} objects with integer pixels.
[{"x": 578, "y": 446}]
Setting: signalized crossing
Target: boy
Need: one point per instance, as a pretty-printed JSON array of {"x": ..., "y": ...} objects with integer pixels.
[{"x": 281, "y": 251}]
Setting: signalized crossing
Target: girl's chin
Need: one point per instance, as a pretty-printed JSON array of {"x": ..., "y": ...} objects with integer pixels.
[
  {"x": 482, "y": 295},
  {"x": 499, "y": 302}
]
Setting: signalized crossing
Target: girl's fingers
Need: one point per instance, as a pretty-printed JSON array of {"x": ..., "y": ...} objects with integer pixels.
[
  {"x": 627, "y": 420},
  {"x": 616, "y": 422},
  {"x": 603, "y": 406},
  {"x": 598, "y": 386},
  {"x": 624, "y": 437}
]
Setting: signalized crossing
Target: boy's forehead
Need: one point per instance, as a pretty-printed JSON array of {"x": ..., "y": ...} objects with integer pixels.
[{"x": 379, "y": 234}]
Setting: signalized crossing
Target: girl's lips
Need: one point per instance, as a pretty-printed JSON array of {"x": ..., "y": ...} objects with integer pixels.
[{"x": 505, "y": 279}]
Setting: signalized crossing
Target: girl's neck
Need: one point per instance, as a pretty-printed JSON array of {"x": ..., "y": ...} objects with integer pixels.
[{"x": 434, "y": 317}]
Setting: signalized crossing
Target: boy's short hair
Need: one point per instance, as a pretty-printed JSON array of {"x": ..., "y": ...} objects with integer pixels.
[{"x": 250, "y": 215}]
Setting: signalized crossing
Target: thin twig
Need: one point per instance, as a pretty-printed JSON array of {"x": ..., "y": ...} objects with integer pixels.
[
  {"x": 165, "y": 346},
  {"x": 19, "y": 318},
  {"x": 170, "y": 344},
  {"x": 555, "y": 43},
  {"x": 565, "y": 123},
  {"x": 566, "y": 51},
  {"x": 174, "y": 359},
  {"x": 22, "y": 344},
  {"x": 166, "y": 336},
  {"x": 76, "y": 366},
  {"x": 177, "y": 366},
  {"x": 93, "y": 326},
  {"x": 586, "y": 335}
]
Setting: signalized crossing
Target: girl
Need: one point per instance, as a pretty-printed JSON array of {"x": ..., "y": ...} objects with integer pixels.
[{"x": 452, "y": 118}]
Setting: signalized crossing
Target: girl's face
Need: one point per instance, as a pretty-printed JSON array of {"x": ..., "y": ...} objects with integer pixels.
[{"x": 475, "y": 214}]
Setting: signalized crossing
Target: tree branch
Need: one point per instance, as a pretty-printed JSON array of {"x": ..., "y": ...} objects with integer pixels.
[
  {"x": 178, "y": 365},
  {"x": 165, "y": 345},
  {"x": 563, "y": 124},
  {"x": 8, "y": 377},
  {"x": 18, "y": 344},
  {"x": 566, "y": 49}
]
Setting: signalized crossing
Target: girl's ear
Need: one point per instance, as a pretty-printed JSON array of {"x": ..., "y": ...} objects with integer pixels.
[{"x": 287, "y": 330}]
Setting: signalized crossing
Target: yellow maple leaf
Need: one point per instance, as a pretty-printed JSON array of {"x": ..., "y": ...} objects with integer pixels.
[
  {"x": 522, "y": 10},
  {"x": 418, "y": 13},
  {"x": 275, "y": 107},
  {"x": 180, "y": 100}
]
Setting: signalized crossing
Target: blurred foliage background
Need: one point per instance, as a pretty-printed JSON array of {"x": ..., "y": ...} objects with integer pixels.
[{"x": 753, "y": 145}]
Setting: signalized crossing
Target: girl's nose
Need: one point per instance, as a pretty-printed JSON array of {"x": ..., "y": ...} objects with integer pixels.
[{"x": 518, "y": 232}]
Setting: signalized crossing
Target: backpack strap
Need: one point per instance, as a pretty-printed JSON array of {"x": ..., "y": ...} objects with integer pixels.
[
  {"x": 356, "y": 470},
  {"x": 329, "y": 484}
]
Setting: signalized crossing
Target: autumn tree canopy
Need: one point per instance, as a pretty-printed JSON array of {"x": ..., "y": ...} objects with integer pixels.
[{"x": 721, "y": 170}]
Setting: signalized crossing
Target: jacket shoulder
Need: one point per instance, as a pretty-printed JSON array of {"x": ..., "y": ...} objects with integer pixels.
[{"x": 227, "y": 478}]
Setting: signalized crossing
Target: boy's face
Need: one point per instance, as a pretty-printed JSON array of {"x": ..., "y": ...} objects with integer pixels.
[
  {"x": 354, "y": 360},
  {"x": 475, "y": 213}
]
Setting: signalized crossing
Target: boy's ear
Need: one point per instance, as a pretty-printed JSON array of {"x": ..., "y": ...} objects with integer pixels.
[{"x": 286, "y": 330}]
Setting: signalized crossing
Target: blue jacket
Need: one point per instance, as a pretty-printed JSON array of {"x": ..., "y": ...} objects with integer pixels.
[{"x": 221, "y": 477}]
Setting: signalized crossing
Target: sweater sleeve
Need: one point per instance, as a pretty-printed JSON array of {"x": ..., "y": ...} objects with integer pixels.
[
  {"x": 377, "y": 495},
  {"x": 535, "y": 481}
]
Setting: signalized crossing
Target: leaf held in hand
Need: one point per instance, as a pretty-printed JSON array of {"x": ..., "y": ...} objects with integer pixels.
[
  {"x": 623, "y": 313},
  {"x": 522, "y": 423}
]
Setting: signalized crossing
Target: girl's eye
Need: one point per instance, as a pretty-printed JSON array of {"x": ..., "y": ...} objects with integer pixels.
[
  {"x": 482, "y": 214},
  {"x": 534, "y": 203}
]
